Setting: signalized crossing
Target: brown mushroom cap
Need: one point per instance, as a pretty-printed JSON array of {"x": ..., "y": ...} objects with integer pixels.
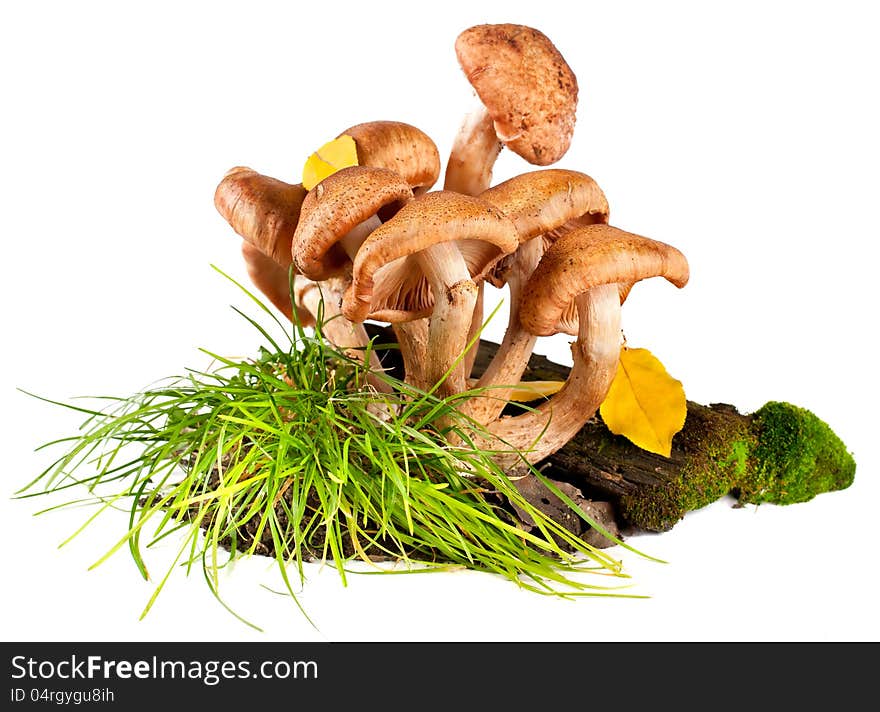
[
  {"x": 587, "y": 257},
  {"x": 526, "y": 86},
  {"x": 540, "y": 201},
  {"x": 337, "y": 205},
  {"x": 385, "y": 283},
  {"x": 263, "y": 210},
  {"x": 399, "y": 147}
]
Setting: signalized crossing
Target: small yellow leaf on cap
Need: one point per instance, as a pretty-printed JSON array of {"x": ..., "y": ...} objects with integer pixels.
[
  {"x": 644, "y": 404},
  {"x": 332, "y": 156}
]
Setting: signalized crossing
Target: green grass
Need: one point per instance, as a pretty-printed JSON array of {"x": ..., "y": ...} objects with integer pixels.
[{"x": 289, "y": 455}]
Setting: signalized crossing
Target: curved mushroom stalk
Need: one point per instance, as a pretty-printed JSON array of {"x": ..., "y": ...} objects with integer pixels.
[
  {"x": 512, "y": 357},
  {"x": 585, "y": 267},
  {"x": 542, "y": 431}
]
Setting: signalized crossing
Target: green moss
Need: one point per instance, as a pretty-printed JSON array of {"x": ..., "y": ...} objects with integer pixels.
[
  {"x": 781, "y": 454},
  {"x": 717, "y": 449},
  {"x": 797, "y": 456}
]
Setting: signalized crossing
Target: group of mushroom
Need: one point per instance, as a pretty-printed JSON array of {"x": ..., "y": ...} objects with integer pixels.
[{"x": 374, "y": 242}]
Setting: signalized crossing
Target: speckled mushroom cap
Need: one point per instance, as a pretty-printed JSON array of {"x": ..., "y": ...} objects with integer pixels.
[
  {"x": 585, "y": 258},
  {"x": 540, "y": 201},
  {"x": 387, "y": 283},
  {"x": 263, "y": 210},
  {"x": 526, "y": 86},
  {"x": 399, "y": 147},
  {"x": 337, "y": 205}
]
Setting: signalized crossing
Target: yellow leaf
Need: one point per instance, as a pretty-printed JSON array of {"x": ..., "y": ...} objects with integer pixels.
[
  {"x": 526, "y": 391},
  {"x": 644, "y": 404},
  {"x": 332, "y": 156}
]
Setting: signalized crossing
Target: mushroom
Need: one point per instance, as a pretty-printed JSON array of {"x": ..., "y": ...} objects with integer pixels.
[
  {"x": 527, "y": 101},
  {"x": 266, "y": 212},
  {"x": 443, "y": 241},
  {"x": 399, "y": 147},
  {"x": 336, "y": 217},
  {"x": 263, "y": 210},
  {"x": 528, "y": 97},
  {"x": 584, "y": 266},
  {"x": 412, "y": 154},
  {"x": 542, "y": 205}
]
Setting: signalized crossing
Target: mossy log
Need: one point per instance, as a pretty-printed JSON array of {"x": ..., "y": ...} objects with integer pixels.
[{"x": 780, "y": 454}]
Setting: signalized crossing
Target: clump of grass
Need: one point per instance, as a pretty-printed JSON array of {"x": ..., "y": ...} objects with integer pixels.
[{"x": 290, "y": 454}]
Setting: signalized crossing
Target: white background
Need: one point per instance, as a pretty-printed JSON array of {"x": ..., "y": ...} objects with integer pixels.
[{"x": 745, "y": 134}]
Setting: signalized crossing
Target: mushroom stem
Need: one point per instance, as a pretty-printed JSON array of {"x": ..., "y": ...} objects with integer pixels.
[
  {"x": 273, "y": 281},
  {"x": 512, "y": 357},
  {"x": 350, "y": 337},
  {"x": 476, "y": 324},
  {"x": 473, "y": 155},
  {"x": 354, "y": 238},
  {"x": 455, "y": 295},
  {"x": 540, "y": 432},
  {"x": 412, "y": 338}
]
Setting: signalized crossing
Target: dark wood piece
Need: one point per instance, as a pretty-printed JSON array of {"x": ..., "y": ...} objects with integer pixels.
[{"x": 779, "y": 454}]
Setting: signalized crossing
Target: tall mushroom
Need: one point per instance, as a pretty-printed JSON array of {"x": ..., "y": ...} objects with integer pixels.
[
  {"x": 409, "y": 152},
  {"x": 584, "y": 266},
  {"x": 528, "y": 97},
  {"x": 527, "y": 102},
  {"x": 443, "y": 241},
  {"x": 542, "y": 205}
]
